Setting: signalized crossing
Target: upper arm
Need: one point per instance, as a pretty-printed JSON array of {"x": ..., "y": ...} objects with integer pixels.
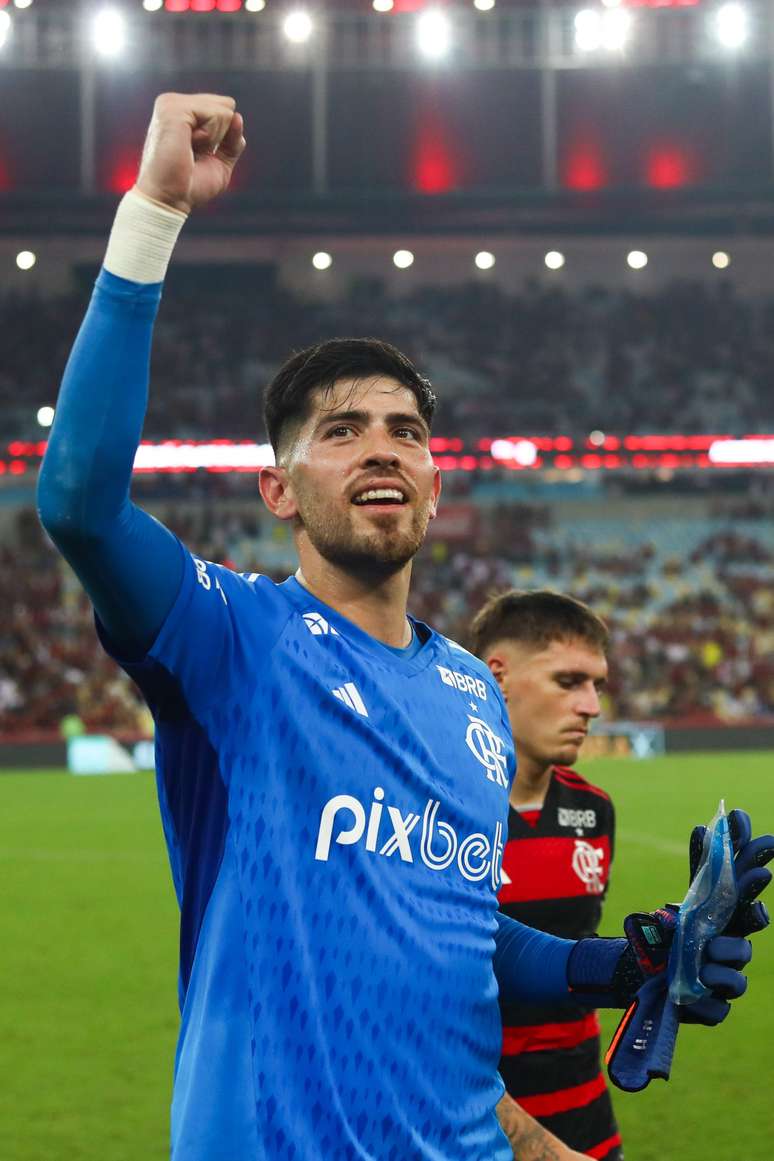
[{"x": 132, "y": 571}]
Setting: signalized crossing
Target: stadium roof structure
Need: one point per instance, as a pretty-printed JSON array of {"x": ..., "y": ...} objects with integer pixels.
[{"x": 533, "y": 121}]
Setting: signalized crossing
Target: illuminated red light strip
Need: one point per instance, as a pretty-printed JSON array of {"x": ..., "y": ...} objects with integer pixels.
[{"x": 516, "y": 453}]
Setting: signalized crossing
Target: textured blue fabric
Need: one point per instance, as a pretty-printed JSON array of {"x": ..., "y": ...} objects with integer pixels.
[
  {"x": 353, "y": 918},
  {"x": 530, "y": 965},
  {"x": 129, "y": 564},
  {"x": 334, "y": 811}
]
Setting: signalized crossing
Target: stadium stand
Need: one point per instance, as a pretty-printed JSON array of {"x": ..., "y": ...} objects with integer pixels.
[
  {"x": 684, "y": 584},
  {"x": 692, "y": 357}
]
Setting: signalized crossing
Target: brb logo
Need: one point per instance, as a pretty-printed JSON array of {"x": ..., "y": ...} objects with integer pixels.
[
  {"x": 439, "y": 846},
  {"x": 489, "y": 749},
  {"x": 587, "y": 863}
]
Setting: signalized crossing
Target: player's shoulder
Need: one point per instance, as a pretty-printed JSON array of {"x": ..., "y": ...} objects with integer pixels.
[
  {"x": 238, "y": 588},
  {"x": 456, "y": 664},
  {"x": 572, "y": 781}
]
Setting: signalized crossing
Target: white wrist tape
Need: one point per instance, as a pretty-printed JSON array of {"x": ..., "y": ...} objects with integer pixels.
[{"x": 142, "y": 239}]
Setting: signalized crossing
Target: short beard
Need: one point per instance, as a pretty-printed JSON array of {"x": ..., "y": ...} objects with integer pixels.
[{"x": 369, "y": 553}]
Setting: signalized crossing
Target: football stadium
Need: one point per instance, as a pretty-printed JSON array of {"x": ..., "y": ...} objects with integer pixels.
[{"x": 559, "y": 220}]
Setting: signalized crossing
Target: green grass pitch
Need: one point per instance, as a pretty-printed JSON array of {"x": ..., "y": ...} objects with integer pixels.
[{"x": 88, "y": 1012}]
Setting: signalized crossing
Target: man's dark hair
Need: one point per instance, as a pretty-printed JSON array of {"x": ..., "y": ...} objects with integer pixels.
[
  {"x": 286, "y": 399},
  {"x": 536, "y": 618}
]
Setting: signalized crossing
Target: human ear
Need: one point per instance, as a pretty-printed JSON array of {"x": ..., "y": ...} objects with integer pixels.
[{"x": 277, "y": 493}]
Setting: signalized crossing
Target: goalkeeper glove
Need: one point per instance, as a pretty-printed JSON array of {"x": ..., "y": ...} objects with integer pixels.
[{"x": 631, "y": 972}]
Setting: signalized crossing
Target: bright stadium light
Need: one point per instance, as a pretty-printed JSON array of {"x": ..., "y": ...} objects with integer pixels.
[
  {"x": 433, "y": 34},
  {"x": 588, "y": 29},
  {"x": 297, "y": 26},
  {"x": 152, "y": 5},
  {"x": 322, "y": 260},
  {"x": 6, "y": 24},
  {"x": 732, "y": 26},
  {"x": 721, "y": 260},
  {"x": 403, "y": 259},
  {"x": 45, "y": 416},
  {"x": 637, "y": 259},
  {"x": 484, "y": 260},
  {"x": 554, "y": 260},
  {"x": 108, "y": 33},
  {"x": 607, "y": 30},
  {"x": 616, "y": 26},
  {"x": 484, "y": 5},
  {"x": 25, "y": 259},
  {"x": 255, "y": 5},
  {"x": 382, "y": 5},
  {"x": 23, "y": 3}
]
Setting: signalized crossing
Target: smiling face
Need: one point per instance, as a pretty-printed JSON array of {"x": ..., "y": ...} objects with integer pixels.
[
  {"x": 357, "y": 478},
  {"x": 552, "y": 694}
]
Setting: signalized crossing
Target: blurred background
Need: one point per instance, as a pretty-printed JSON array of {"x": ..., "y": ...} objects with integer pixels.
[{"x": 565, "y": 216}]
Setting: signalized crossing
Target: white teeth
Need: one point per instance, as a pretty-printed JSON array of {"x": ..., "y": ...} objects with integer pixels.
[{"x": 379, "y": 494}]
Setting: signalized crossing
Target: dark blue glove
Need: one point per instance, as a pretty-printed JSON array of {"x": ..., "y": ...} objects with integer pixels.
[{"x": 631, "y": 973}]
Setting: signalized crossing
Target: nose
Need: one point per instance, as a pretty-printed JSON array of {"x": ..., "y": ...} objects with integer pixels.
[
  {"x": 379, "y": 450},
  {"x": 588, "y": 703}
]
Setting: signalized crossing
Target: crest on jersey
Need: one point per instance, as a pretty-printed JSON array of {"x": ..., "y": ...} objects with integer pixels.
[
  {"x": 484, "y": 743},
  {"x": 587, "y": 863}
]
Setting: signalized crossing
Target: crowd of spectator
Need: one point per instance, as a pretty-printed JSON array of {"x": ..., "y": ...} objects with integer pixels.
[
  {"x": 692, "y": 357},
  {"x": 692, "y": 634}
]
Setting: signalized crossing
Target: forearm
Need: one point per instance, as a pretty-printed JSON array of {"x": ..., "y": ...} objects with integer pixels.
[
  {"x": 129, "y": 564},
  {"x": 530, "y": 966},
  {"x": 527, "y": 1137},
  {"x": 99, "y": 413}
]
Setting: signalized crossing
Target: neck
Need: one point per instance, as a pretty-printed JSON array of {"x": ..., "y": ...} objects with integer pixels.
[
  {"x": 376, "y": 604},
  {"x": 531, "y": 781}
]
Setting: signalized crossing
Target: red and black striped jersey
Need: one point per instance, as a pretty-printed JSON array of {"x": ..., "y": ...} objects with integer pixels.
[{"x": 556, "y": 867}]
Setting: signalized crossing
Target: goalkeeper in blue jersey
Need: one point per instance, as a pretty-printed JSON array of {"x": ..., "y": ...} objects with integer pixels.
[{"x": 311, "y": 739}]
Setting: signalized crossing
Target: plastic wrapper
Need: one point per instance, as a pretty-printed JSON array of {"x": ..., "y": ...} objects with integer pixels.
[{"x": 704, "y": 912}]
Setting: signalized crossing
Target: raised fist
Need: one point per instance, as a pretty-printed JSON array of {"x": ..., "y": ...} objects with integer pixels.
[{"x": 194, "y": 141}]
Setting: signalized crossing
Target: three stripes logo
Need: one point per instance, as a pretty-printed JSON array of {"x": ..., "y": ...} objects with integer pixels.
[
  {"x": 318, "y": 626},
  {"x": 350, "y": 695}
]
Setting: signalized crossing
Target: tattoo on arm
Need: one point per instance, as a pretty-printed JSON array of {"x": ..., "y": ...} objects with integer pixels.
[{"x": 528, "y": 1139}]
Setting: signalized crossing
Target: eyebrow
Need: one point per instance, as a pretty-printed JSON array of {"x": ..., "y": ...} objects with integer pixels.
[
  {"x": 393, "y": 418},
  {"x": 579, "y": 673}
]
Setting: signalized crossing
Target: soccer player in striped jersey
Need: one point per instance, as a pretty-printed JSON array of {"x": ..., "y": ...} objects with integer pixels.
[
  {"x": 312, "y": 742},
  {"x": 548, "y": 654}
]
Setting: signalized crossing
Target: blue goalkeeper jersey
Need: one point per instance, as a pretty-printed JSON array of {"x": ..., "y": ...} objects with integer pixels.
[{"x": 335, "y": 815}]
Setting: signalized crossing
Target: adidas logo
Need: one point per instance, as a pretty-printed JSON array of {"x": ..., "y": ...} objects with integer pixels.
[
  {"x": 318, "y": 626},
  {"x": 350, "y": 696}
]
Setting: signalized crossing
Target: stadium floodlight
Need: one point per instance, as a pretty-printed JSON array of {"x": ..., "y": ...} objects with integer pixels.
[
  {"x": 383, "y": 5},
  {"x": 26, "y": 259},
  {"x": 484, "y": 5},
  {"x": 297, "y": 26},
  {"x": 45, "y": 416},
  {"x": 607, "y": 30},
  {"x": 637, "y": 259},
  {"x": 255, "y": 5},
  {"x": 108, "y": 33},
  {"x": 721, "y": 260},
  {"x": 322, "y": 260},
  {"x": 484, "y": 260},
  {"x": 588, "y": 30},
  {"x": 554, "y": 260},
  {"x": 731, "y": 26},
  {"x": 6, "y": 25},
  {"x": 433, "y": 32},
  {"x": 616, "y": 26},
  {"x": 403, "y": 259}
]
